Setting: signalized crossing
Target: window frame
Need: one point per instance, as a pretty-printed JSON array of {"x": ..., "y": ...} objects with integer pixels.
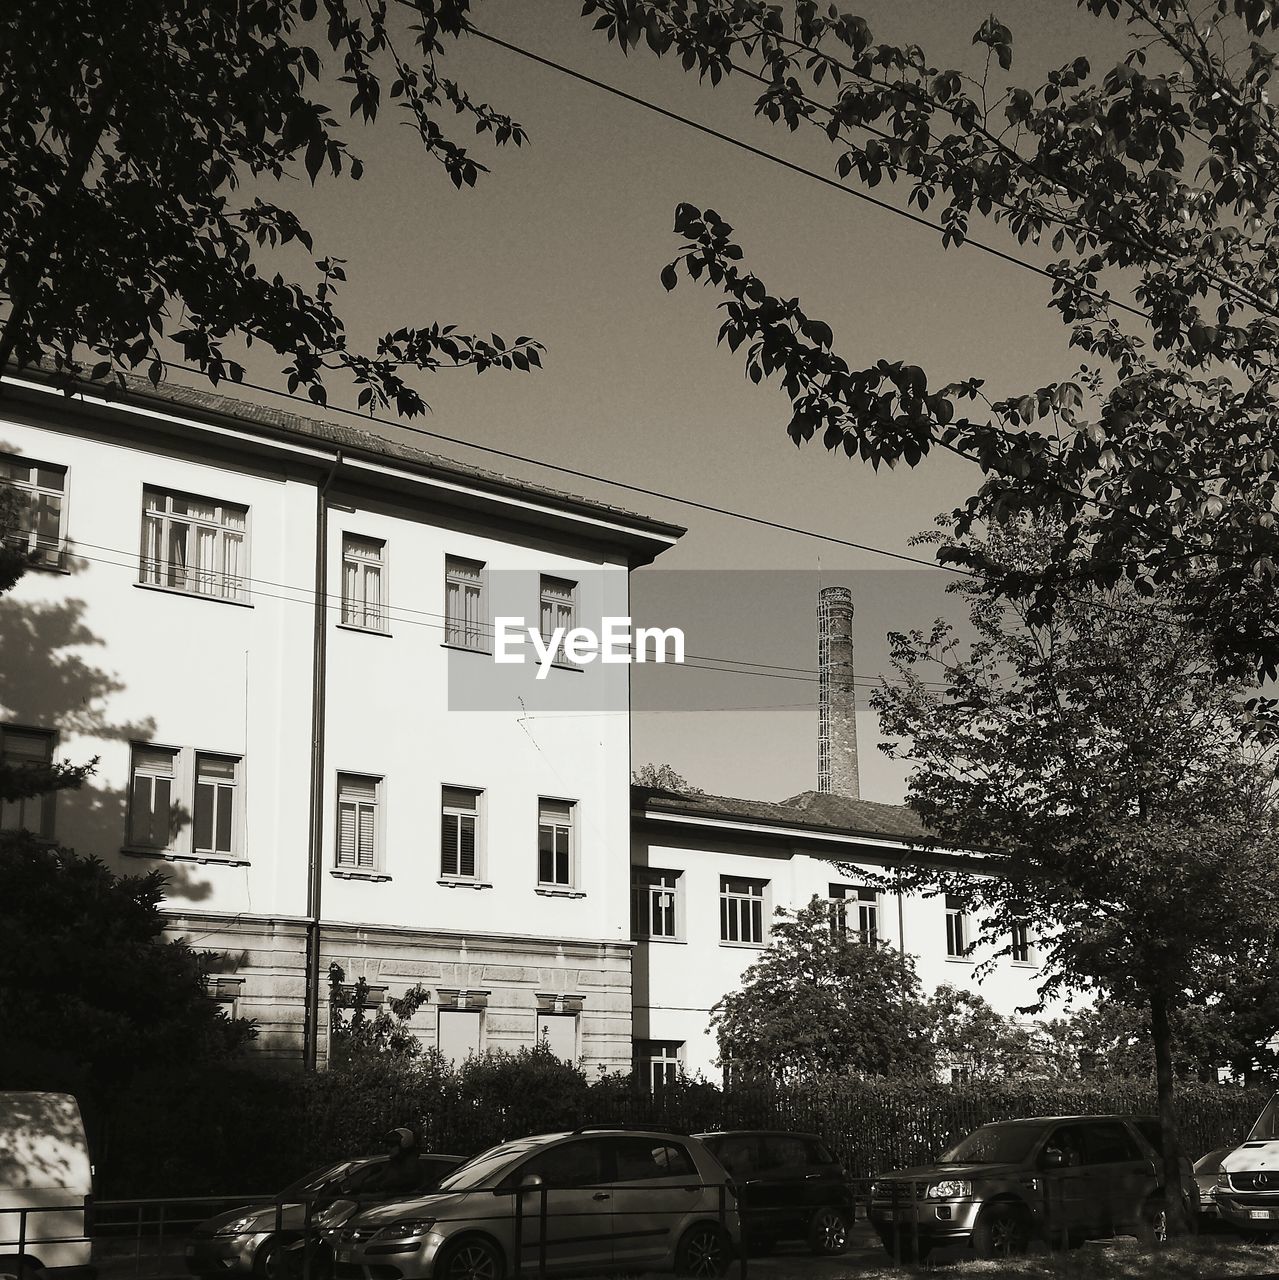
[
  {"x": 155, "y": 572},
  {"x": 547, "y": 597},
  {"x": 1021, "y": 950},
  {"x": 352, "y": 608},
  {"x": 47, "y": 800},
  {"x": 544, "y": 1017},
  {"x": 647, "y": 894},
  {"x": 571, "y": 854},
  {"x": 34, "y": 491},
  {"x": 185, "y": 780},
  {"x": 958, "y": 944},
  {"x": 478, "y": 813},
  {"x": 353, "y": 870},
  {"x": 730, "y": 907},
  {"x": 842, "y": 896},
  {"x": 473, "y": 637},
  {"x": 657, "y": 1062}
]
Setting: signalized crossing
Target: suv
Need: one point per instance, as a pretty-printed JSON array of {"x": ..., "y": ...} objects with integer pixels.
[
  {"x": 1059, "y": 1178},
  {"x": 592, "y": 1200},
  {"x": 789, "y": 1187}
]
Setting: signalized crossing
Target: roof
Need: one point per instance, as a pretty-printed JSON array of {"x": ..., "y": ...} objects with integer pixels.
[
  {"x": 810, "y": 811},
  {"x": 198, "y": 402}
]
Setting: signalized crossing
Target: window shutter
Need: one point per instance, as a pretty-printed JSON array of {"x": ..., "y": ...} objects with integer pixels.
[
  {"x": 368, "y": 835},
  {"x": 555, "y": 812},
  {"x": 346, "y": 834},
  {"x": 466, "y": 846},
  {"x": 448, "y": 845}
]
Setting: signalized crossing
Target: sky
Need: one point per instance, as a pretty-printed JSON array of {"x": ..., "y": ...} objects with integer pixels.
[{"x": 564, "y": 241}]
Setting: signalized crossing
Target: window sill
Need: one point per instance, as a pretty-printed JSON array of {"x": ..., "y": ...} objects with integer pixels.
[
  {"x": 191, "y": 595},
  {"x": 1024, "y": 964},
  {"x": 681, "y": 942},
  {"x": 748, "y": 946},
  {"x": 209, "y": 859},
  {"x": 461, "y": 883},
  {"x": 49, "y": 568},
  {"x": 346, "y": 873},
  {"x": 960, "y": 960},
  {"x": 558, "y": 891},
  {"x": 486, "y": 652},
  {"x": 364, "y": 631}
]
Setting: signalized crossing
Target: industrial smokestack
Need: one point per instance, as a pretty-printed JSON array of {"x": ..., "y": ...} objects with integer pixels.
[{"x": 837, "y": 703}]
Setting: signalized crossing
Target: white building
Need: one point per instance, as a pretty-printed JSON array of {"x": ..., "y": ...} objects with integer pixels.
[
  {"x": 708, "y": 873},
  {"x": 274, "y": 634}
]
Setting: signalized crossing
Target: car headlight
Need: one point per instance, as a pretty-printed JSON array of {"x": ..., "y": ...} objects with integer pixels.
[
  {"x": 240, "y": 1227},
  {"x": 1223, "y": 1178},
  {"x": 951, "y": 1189},
  {"x": 875, "y": 1189},
  {"x": 405, "y": 1229}
]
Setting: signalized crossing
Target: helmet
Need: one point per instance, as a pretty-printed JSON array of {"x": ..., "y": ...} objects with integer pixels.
[{"x": 401, "y": 1139}]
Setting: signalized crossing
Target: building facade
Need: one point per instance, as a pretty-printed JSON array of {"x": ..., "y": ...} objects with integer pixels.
[{"x": 275, "y": 636}]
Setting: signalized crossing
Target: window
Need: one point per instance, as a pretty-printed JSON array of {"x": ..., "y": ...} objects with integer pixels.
[
  {"x": 194, "y": 544},
  {"x": 555, "y": 842},
  {"x": 559, "y": 608},
  {"x": 358, "y": 822},
  {"x": 184, "y": 802},
  {"x": 1020, "y": 951},
  {"x": 653, "y": 895},
  {"x": 464, "y": 622},
  {"x": 459, "y": 1034},
  {"x": 647, "y": 1159},
  {"x": 215, "y": 779},
  {"x": 39, "y": 528},
  {"x": 363, "y": 593},
  {"x": 657, "y": 1062},
  {"x": 27, "y": 749},
  {"x": 460, "y": 833},
  {"x": 956, "y": 927},
  {"x": 856, "y": 909},
  {"x": 558, "y": 1031},
  {"x": 741, "y": 910}
]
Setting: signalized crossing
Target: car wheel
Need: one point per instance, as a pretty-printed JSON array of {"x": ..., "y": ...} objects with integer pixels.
[
  {"x": 30, "y": 1270},
  {"x": 271, "y": 1262},
  {"x": 828, "y": 1231},
  {"x": 704, "y": 1251},
  {"x": 473, "y": 1259},
  {"x": 1152, "y": 1226},
  {"x": 1000, "y": 1232}
]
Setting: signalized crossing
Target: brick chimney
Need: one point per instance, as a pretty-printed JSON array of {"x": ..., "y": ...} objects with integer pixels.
[{"x": 837, "y": 703}]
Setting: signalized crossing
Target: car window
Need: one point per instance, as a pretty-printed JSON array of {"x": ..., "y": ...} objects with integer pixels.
[
  {"x": 570, "y": 1164},
  {"x": 431, "y": 1171},
  {"x": 1107, "y": 1142},
  {"x": 1267, "y": 1127},
  {"x": 316, "y": 1179},
  {"x": 737, "y": 1153},
  {"x": 782, "y": 1151},
  {"x": 641, "y": 1159},
  {"x": 1150, "y": 1129},
  {"x": 818, "y": 1152},
  {"x": 1065, "y": 1141}
]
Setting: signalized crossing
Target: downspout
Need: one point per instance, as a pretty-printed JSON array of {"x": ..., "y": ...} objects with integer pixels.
[{"x": 315, "y": 823}]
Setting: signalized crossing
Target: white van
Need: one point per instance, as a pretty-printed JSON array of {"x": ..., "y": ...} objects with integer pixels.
[
  {"x": 1248, "y": 1183},
  {"x": 46, "y": 1187}
]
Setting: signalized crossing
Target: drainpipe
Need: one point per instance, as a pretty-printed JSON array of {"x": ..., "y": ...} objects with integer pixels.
[{"x": 315, "y": 823}]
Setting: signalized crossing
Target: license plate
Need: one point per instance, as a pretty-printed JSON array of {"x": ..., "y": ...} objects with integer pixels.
[{"x": 1261, "y": 1214}]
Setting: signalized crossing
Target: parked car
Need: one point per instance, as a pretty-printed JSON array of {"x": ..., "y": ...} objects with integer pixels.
[
  {"x": 789, "y": 1187},
  {"x": 1058, "y": 1178},
  {"x": 591, "y": 1200},
  {"x": 255, "y": 1239},
  {"x": 1206, "y": 1169},
  {"x": 1248, "y": 1182}
]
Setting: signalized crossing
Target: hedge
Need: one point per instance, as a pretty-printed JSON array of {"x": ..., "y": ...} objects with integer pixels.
[{"x": 238, "y": 1130}]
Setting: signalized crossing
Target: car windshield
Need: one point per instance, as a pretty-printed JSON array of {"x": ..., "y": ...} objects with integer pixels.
[
  {"x": 484, "y": 1167},
  {"x": 1267, "y": 1127},
  {"x": 994, "y": 1144},
  {"x": 312, "y": 1182}
]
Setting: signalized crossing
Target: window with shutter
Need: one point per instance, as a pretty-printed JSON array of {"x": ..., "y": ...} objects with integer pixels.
[
  {"x": 363, "y": 588},
  {"x": 460, "y": 827},
  {"x": 358, "y": 837},
  {"x": 464, "y": 620}
]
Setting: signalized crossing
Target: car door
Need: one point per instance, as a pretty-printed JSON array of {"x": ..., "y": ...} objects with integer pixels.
[
  {"x": 785, "y": 1188},
  {"x": 1122, "y": 1172},
  {"x": 656, "y": 1191},
  {"x": 572, "y": 1206},
  {"x": 1069, "y": 1203},
  {"x": 739, "y": 1154}
]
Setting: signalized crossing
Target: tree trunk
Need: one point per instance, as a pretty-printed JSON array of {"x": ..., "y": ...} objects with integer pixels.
[{"x": 1178, "y": 1211}]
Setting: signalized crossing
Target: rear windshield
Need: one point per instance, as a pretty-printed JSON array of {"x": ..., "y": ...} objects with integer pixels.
[
  {"x": 1267, "y": 1127},
  {"x": 994, "y": 1144}
]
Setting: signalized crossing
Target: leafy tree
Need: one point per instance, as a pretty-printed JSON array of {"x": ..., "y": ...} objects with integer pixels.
[
  {"x": 1126, "y": 817},
  {"x": 977, "y": 1042},
  {"x": 89, "y": 990},
  {"x": 819, "y": 1003},
  {"x": 141, "y": 183},
  {"x": 355, "y": 1032},
  {"x": 1155, "y": 178},
  {"x": 662, "y": 777}
]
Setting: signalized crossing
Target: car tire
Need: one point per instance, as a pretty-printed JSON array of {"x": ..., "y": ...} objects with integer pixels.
[
  {"x": 30, "y": 1270},
  {"x": 271, "y": 1262},
  {"x": 704, "y": 1251},
  {"x": 472, "y": 1258},
  {"x": 1152, "y": 1226},
  {"x": 1001, "y": 1231},
  {"x": 828, "y": 1231}
]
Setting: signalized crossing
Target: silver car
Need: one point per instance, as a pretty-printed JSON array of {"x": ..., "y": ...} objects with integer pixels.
[{"x": 588, "y": 1201}]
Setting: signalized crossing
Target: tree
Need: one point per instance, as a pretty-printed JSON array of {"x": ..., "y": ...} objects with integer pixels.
[
  {"x": 89, "y": 990},
  {"x": 1155, "y": 178},
  {"x": 355, "y": 1032},
  {"x": 819, "y": 1002},
  {"x": 978, "y": 1043},
  {"x": 662, "y": 777},
  {"x": 143, "y": 146},
  {"x": 1122, "y": 811}
]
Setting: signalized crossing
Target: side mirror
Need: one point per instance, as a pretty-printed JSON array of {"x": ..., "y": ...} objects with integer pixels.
[{"x": 531, "y": 1182}]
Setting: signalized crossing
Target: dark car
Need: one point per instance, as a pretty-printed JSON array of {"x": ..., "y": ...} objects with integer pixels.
[
  {"x": 255, "y": 1239},
  {"x": 1063, "y": 1179},
  {"x": 1207, "y": 1170},
  {"x": 789, "y": 1187}
]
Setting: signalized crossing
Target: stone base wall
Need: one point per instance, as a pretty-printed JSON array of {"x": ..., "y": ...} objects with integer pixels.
[{"x": 262, "y": 967}]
